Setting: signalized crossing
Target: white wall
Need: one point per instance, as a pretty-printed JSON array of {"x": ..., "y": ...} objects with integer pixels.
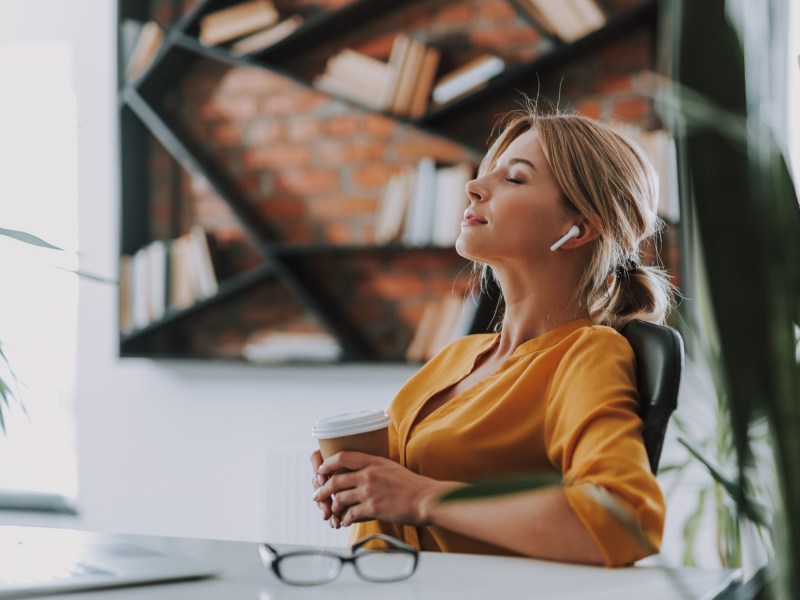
[{"x": 174, "y": 448}]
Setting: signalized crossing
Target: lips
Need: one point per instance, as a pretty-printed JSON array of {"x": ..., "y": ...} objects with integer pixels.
[{"x": 473, "y": 218}]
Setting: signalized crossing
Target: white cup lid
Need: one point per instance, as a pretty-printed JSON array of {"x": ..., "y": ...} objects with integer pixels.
[{"x": 350, "y": 424}]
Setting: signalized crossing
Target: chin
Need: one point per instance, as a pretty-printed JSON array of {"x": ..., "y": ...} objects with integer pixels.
[{"x": 462, "y": 248}]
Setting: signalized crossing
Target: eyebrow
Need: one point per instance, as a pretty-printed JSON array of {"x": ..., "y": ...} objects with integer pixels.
[{"x": 524, "y": 161}]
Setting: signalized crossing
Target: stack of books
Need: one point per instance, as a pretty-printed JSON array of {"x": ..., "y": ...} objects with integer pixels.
[
  {"x": 442, "y": 322},
  {"x": 401, "y": 86},
  {"x": 423, "y": 205},
  {"x": 165, "y": 275},
  {"x": 287, "y": 346},
  {"x": 467, "y": 78},
  {"x": 253, "y": 24},
  {"x": 566, "y": 19}
]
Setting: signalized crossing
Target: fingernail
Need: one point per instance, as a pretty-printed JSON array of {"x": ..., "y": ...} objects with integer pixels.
[
  {"x": 315, "y": 495},
  {"x": 320, "y": 480}
]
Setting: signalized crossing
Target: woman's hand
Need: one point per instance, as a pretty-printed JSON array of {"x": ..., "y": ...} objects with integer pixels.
[
  {"x": 317, "y": 481},
  {"x": 376, "y": 488}
]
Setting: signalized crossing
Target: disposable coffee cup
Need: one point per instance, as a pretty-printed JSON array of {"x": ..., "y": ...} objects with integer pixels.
[{"x": 364, "y": 431}]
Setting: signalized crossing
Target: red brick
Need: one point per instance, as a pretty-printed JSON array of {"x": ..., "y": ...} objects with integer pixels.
[
  {"x": 495, "y": 10},
  {"x": 379, "y": 126},
  {"x": 251, "y": 80},
  {"x": 302, "y": 129},
  {"x": 335, "y": 153},
  {"x": 279, "y": 155},
  {"x": 339, "y": 233},
  {"x": 332, "y": 207},
  {"x": 281, "y": 207},
  {"x": 635, "y": 109},
  {"x": 437, "y": 148},
  {"x": 455, "y": 14},
  {"x": 309, "y": 181},
  {"x": 500, "y": 37},
  {"x": 292, "y": 103},
  {"x": 395, "y": 287},
  {"x": 235, "y": 106},
  {"x": 373, "y": 176},
  {"x": 264, "y": 132},
  {"x": 590, "y": 108},
  {"x": 342, "y": 125},
  {"x": 627, "y": 55},
  {"x": 227, "y": 133},
  {"x": 618, "y": 83},
  {"x": 379, "y": 47}
]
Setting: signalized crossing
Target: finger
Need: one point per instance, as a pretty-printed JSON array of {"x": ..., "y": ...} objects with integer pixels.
[
  {"x": 326, "y": 509},
  {"x": 316, "y": 459},
  {"x": 342, "y": 502},
  {"x": 334, "y": 485},
  {"x": 352, "y": 461}
]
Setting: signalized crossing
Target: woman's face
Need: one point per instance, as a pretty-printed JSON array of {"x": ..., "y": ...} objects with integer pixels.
[{"x": 515, "y": 211}]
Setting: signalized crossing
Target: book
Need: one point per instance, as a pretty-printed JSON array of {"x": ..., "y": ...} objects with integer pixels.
[
  {"x": 419, "y": 219},
  {"x": 281, "y": 346},
  {"x": 397, "y": 57},
  {"x": 589, "y": 13},
  {"x": 157, "y": 278},
  {"x": 125, "y": 294},
  {"x": 261, "y": 40},
  {"x": 148, "y": 42},
  {"x": 408, "y": 77},
  {"x": 424, "y": 84},
  {"x": 205, "y": 277},
  {"x": 140, "y": 296},
  {"x": 181, "y": 279},
  {"x": 236, "y": 21},
  {"x": 393, "y": 206},
  {"x": 355, "y": 76},
  {"x": 448, "y": 318},
  {"x": 467, "y": 78},
  {"x": 450, "y": 204}
]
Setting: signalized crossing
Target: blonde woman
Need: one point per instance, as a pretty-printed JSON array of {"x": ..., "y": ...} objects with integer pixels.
[{"x": 557, "y": 215}]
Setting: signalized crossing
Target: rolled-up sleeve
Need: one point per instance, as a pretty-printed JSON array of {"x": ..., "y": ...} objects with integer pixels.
[{"x": 593, "y": 434}]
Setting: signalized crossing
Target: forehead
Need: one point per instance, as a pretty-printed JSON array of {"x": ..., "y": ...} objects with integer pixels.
[{"x": 526, "y": 145}]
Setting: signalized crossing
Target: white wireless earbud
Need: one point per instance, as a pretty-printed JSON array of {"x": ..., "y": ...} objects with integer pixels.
[{"x": 574, "y": 231}]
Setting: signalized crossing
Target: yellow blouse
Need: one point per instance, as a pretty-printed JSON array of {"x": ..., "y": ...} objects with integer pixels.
[{"x": 564, "y": 401}]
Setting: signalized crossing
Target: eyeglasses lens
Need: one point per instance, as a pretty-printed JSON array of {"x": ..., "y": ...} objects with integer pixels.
[
  {"x": 385, "y": 565},
  {"x": 309, "y": 569}
]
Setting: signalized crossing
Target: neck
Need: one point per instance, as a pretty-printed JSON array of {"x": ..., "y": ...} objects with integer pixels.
[{"x": 535, "y": 305}]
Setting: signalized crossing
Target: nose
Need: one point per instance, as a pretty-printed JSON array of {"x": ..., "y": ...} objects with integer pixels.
[{"x": 475, "y": 190}]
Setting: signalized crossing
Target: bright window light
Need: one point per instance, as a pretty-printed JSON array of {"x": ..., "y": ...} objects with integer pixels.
[{"x": 39, "y": 298}]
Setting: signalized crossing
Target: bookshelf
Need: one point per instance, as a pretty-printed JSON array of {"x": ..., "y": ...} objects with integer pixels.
[{"x": 305, "y": 271}]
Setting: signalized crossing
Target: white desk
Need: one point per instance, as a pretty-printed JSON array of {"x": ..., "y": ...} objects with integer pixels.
[{"x": 439, "y": 577}]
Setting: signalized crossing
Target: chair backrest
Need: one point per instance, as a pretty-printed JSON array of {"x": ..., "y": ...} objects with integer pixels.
[{"x": 659, "y": 365}]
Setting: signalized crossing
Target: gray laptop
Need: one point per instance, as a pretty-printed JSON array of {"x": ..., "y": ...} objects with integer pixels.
[{"x": 41, "y": 561}]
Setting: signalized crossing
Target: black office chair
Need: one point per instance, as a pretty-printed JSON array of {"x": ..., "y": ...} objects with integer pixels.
[{"x": 659, "y": 364}]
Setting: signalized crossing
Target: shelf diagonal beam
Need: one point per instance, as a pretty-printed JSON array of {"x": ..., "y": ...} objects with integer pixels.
[{"x": 311, "y": 297}]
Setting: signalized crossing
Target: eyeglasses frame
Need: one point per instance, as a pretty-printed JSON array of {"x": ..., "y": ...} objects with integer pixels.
[{"x": 276, "y": 558}]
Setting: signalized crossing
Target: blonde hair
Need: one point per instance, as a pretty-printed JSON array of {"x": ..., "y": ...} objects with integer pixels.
[{"x": 612, "y": 183}]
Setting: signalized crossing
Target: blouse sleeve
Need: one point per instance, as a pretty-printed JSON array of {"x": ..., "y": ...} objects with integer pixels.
[{"x": 594, "y": 436}]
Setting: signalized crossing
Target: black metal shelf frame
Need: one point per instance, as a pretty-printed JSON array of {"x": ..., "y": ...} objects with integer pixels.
[{"x": 181, "y": 46}]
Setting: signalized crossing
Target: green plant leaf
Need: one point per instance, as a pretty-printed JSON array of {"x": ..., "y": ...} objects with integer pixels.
[
  {"x": 501, "y": 486},
  {"x": 27, "y": 238},
  {"x": 749, "y": 508}
]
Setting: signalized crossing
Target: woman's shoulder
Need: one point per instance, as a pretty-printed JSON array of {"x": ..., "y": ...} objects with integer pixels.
[{"x": 592, "y": 337}]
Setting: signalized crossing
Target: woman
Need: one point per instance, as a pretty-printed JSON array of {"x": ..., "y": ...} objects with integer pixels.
[{"x": 557, "y": 215}]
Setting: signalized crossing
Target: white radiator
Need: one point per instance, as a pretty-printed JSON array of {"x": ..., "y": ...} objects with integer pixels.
[{"x": 292, "y": 516}]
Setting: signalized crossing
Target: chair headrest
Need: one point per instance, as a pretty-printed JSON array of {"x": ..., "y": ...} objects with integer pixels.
[{"x": 659, "y": 363}]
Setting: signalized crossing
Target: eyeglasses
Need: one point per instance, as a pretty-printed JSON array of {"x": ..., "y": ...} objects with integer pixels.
[{"x": 394, "y": 562}]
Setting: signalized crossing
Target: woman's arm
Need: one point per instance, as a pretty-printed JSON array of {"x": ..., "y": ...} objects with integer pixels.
[{"x": 539, "y": 524}]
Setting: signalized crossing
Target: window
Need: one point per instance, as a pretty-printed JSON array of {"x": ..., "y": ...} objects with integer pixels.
[{"x": 38, "y": 303}]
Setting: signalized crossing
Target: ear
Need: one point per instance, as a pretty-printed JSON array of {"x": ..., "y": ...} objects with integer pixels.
[{"x": 588, "y": 233}]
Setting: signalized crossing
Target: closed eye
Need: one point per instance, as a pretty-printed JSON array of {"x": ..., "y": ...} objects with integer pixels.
[{"x": 512, "y": 180}]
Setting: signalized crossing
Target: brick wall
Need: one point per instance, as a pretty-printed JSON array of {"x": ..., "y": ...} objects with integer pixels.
[{"x": 313, "y": 166}]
